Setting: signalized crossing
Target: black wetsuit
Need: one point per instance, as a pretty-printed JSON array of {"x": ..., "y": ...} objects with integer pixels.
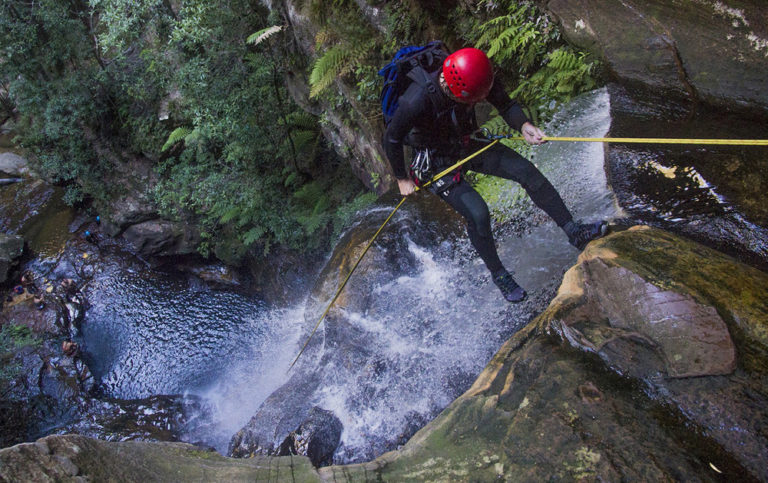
[{"x": 444, "y": 129}]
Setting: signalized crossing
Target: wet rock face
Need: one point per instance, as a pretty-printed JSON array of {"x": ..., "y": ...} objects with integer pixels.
[
  {"x": 645, "y": 366},
  {"x": 11, "y": 247},
  {"x": 702, "y": 50},
  {"x": 317, "y": 437},
  {"x": 710, "y": 193}
]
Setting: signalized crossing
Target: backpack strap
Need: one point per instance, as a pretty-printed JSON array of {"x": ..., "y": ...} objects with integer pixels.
[{"x": 424, "y": 79}]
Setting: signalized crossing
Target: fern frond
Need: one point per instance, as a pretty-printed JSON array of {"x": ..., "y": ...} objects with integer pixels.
[
  {"x": 304, "y": 141},
  {"x": 230, "y": 215},
  {"x": 263, "y": 34},
  {"x": 323, "y": 37},
  {"x": 252, "y": 235},
  {"x": 335, "y": 62},
  {"x": 301, "y": 120},
  {"x": 178, "y": 134}
]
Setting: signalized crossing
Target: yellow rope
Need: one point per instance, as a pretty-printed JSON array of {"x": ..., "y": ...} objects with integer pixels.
[
  {"x": 731, "y": 142},
  {"x": 360, "y": 258}
]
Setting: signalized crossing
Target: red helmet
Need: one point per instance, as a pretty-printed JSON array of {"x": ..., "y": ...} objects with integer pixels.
[{"x": 468, "y": 74}]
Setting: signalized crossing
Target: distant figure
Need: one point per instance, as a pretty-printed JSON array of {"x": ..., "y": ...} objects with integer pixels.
[
  {"x": 70, "y": 348},
  {"x": 39, "y": 301},
  {"x": 28, "y": 282}
]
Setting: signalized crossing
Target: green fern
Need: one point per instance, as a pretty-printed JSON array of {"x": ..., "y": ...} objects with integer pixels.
[
  {"x": 301, "y": 120},
  {"x": 178, "y": 134},
  {"x": 512, "y": 37},
  {"x": 263, "y": 34},
  {"x": 230, "y": 215},
  {"x": 335, "y": 62},
  {"x": 305, "y": 142},
  {"x": 252, "y": 235}
]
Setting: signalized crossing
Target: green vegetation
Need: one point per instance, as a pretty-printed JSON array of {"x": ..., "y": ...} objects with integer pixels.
[
  {"x": 539, "y": 68},
  {"x": 100, "y": 83},
  {"x": 13, "y": 338},
  {"x": 196, "y": 89}
]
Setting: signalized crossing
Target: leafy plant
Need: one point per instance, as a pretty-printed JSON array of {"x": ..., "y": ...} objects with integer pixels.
[
  {"x": 263, "y": 34},
  {"x": 178, "y": 134},
  {"x": 13, "y": 338}
]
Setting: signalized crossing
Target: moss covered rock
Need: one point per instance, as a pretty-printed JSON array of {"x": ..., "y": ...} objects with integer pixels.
[{"x": 78, "y": 458}]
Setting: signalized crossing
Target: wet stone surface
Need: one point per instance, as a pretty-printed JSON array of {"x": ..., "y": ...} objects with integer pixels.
[{"x": 711, "y": 193}]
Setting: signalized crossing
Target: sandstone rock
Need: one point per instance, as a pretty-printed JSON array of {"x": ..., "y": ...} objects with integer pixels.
[
  {"x": 703, "y": 50},
  {"x": 78, "y": 458}
]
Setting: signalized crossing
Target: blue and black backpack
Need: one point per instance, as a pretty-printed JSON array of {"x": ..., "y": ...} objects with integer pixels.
[{"x": 411, "y": 64}]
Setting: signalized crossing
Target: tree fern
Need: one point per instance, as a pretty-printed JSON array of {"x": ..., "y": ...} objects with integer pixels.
[
  {"x": 301, "y": 120},
  {"x": 263, "y": 34}
]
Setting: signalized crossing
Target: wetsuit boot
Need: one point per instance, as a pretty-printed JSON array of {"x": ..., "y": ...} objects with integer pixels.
[
  {"x": 511, "y": 291},
  {"x": 579, "y": 234}
]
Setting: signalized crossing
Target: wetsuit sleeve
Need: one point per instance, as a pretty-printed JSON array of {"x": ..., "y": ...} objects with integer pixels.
[
  {"x": 410, "y": 107},
  {"x": 508, "y": 108}
]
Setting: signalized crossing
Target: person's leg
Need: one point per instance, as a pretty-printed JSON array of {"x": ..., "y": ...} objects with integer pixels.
[
  {"x": 506, "y": 163},
  {"x": 468, "y": 203}
]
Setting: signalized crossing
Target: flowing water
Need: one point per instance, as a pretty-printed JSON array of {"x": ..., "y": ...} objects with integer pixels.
[{"x": 150, "y": 333}]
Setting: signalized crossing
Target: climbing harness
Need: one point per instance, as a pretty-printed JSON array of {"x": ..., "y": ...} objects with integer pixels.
[
  {"x": 488, "y": 135},
  {"x": 375, "y": 235},
  {"x": 493, "y": 138}
]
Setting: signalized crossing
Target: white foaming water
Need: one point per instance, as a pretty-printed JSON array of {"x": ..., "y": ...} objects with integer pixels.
[
  {"x": 423, "y": 353},
  {"x": 234, "y": 398}
]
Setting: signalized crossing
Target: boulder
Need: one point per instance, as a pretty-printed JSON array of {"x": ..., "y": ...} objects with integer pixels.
[
  {"x": 11, "y": 248},
  {"x": 317, "y": 437},
  {"x": 160, "y": 238},
  {"x": 648, "y": 365},
  {"x": 130, "y": 209},
  {"x": 13, "y": 165},
  {"x": 703, "y": 50}
]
